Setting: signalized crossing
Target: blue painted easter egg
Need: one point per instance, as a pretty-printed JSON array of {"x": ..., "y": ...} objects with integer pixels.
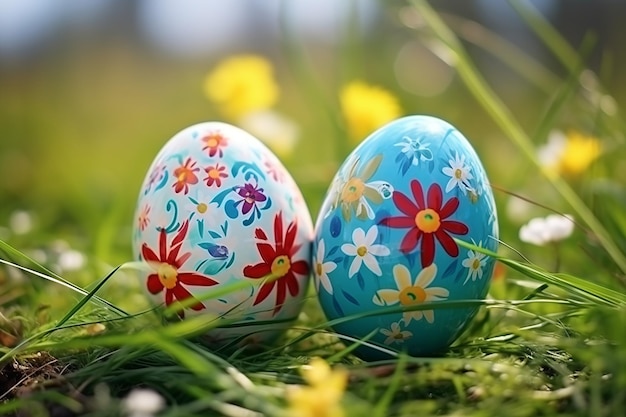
[
  {"x": 218, "y": 210},
  {"x": 384, "y": 238}
]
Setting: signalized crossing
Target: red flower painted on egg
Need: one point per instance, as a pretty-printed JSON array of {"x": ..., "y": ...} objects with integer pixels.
[
  {"x": 213, "y": 143},
  {"x": 426, "y": 220},
  {"x": 167, "y": 275},
  {"x": 185, "y": 175},
  {"x": 278, "y": 266}
]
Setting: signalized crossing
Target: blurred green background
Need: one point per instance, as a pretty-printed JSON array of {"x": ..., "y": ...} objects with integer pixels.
[{"x": 90, "y": 91}]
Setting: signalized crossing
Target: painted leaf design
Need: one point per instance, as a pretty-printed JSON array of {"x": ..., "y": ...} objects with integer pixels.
[{"x": 350, "y": 298}]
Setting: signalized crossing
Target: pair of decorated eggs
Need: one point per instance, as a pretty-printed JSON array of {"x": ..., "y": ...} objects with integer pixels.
[{"x": 218, "y": 210}]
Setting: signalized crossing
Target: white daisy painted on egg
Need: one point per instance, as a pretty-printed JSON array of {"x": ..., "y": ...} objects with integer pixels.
[
  {"x": 459, "y": 174},
  {"x": 412, "y": 292},
  {"x": 395, "y": 334},
  {"x": 364, "y": 251},
  {"x": 475, "y": 262},
  {"x": 321, "y": 268}
]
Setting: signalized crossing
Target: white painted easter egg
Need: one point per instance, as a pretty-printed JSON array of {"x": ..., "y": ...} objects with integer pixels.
[
  {"x": 385, "y": 238},
  {"x": 218, "y": 209}
]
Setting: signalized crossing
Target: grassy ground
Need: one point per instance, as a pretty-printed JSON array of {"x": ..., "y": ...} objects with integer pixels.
[{"x": 77, "y": 336}]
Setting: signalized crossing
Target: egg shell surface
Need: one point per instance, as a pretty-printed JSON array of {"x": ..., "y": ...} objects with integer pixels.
[
  {"x": 217, "y": 209},
  {"x": 384, "y": 238}
]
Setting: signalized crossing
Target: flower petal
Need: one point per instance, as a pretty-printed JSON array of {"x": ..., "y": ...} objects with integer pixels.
[
  {"x": 398, "y": 222},
  {"x": 329, "y": 267},
  {"x": 447, "y": 242},
  {"x": 260, "y": 270},
  {"x": 404, "y": 204},
  {"x": 180, "y": 236},
  {"x": 193, "y": 278},
  {"x": 389, "y": 297},
  {"x": 379, "y": 250},
  {"x": 370, "y": 168},
  {"x": 290, "y": 237},
  {"x": 280, "y": 296},
  {"x": 177, "y": 263},
  {"x": 358, "y": 237},
  {"x": 372, "y": 264},
  {"x": 278, "y": 231},
  {"x": 372, "y": 194},
  {"x": 292, "y": 284},
  {"x": 300, "y": 267},
  {"x": 370, "y": 236},
  {"x": 349, "y": 249},
  {"x": 182, "y": 294},
  {"x": 407, "y": 316},
  {"x": 264, "y": 292},
  {"x": 450, "y": 207},
  {"x": 325, "y": 281},
  {"x": 435, "y": 197},
  {"x": 436, "y": 292},
  {"x": 402, "y": 276},
  {"x": 148, "y": 254},
  {"x": 428, "y": 249},
  {"x": 267, "y": 252},
  {"x": 418, "y": 195},
  {"x": 429, "y": 315},
  {"x": 154, "y": 284},
  {"x": 162, "y": 245},
  {"x": 426, "y": 276},
  {"x": 409, "y": 242},
  {"x": 455, "y": 227},
  {"x": 355, "y": 266}
]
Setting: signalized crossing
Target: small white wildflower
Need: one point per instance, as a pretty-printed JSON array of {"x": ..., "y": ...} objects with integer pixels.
[
  {"x": 71, "y": 260},
  {"x": 21, "y": 222},
  {"x": 142, "y": 402},
  {"x": 550, "y": 153},
  {"x": 542, "y": 230}
]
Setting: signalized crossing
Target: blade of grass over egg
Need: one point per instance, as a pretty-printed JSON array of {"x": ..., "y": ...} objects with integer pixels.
[
  {"x": 588, "y": 290},
  {"x": 498, "y": 111},
  {"x": 362, "y": 341},
  {"x": 87, "y": 297}
]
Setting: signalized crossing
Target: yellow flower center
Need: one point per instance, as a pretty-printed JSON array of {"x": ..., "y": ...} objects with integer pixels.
[
  {"x": 475, "y": 264},
  {"x": 214, "y": 173},
  {"x": 458, "y": 173},
  {"x": 182, "y": 175},
  {"x": 353, "y": 190},
  {"x": 361, "y": 250},
  {"x": 212, "y": 142},
  {"x": 202, "y": 208},
  {"x": 427, "y": 220},
  {"x": 398, "y": 336},
  {"x": 280, "y": 266},
  {"x": 318, "y": 269},
  {"x": 168, "y": 275},
  {"x": 412, "y": 295}
]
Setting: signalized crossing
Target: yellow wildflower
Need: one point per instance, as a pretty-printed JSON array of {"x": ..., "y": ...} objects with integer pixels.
[
  {"x": 366, "y": 108},
  {"x": 242, "y": 84},
  {"x": 569, "y": 154},
  {"x": 323, "y": 395}
]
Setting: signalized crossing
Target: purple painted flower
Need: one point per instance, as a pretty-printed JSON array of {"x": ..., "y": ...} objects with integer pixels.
[{"x": 251, "y": 195}]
